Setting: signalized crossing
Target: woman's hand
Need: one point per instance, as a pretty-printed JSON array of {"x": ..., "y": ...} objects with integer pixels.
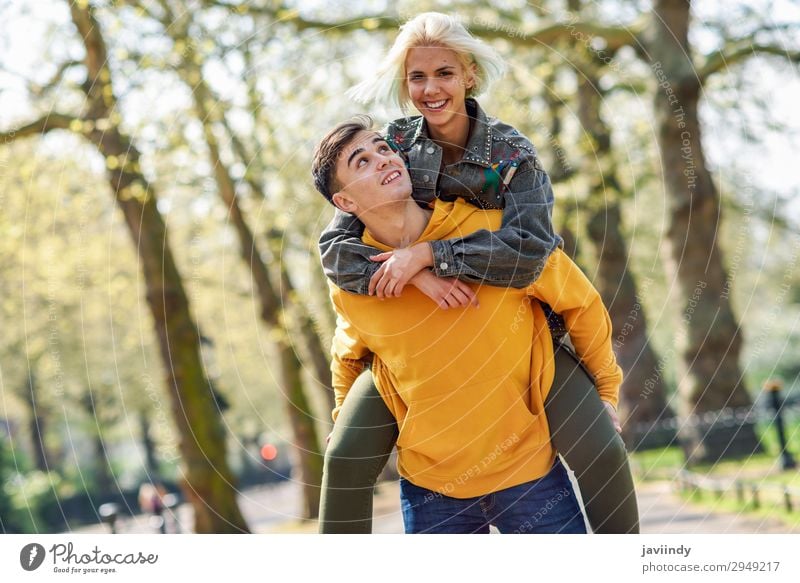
[
  {"x": 399, "y": 266},
  {"x": 447, "y": 292},
  {"x": 613, "y": 414}
]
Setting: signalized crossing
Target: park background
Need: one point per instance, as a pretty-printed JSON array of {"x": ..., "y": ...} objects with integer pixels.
[{"x": 164, "y": 314}]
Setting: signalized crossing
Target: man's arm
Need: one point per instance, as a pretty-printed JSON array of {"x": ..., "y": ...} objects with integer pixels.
[
  {"x": 567, "y": 290},
  {"x": 348, "y": 351},
  {"x": 345, "y": 258},
  {"x": 515, "y": 254}
]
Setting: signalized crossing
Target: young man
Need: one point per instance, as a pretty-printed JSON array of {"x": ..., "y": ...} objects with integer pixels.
[{"x": 466, "y": 387}]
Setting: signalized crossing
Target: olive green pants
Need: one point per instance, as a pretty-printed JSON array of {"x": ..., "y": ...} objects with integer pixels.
[{"x": 365, "y": 433}]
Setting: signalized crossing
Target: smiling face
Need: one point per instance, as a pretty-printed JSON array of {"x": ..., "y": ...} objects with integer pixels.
[
  {"x": 437, "y": 83},
  {"x": 370, "y": 173}
]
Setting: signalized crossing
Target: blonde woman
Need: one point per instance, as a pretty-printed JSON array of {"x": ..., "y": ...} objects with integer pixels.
[{"x": 455, "y": 150}]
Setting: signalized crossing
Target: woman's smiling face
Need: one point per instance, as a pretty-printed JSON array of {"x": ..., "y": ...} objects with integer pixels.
[{"x": 437, "y": 84}]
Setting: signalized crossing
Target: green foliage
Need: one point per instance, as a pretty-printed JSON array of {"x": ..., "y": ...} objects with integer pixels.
[
  {"x": 668, "y": 461},
  {"x": 7, "y": 525},
  {"x": 31, "y": 501},
  {"x": 763, "y": 470}
]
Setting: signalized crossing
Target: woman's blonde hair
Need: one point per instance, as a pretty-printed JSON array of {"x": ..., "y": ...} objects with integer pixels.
[{"x": 429, "y": 29}]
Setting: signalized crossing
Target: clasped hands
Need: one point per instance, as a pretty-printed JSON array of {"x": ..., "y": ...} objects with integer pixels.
[{"x": 411, "y": 265}]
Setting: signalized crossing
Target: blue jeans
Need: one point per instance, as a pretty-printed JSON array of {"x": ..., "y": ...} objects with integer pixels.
[{"x": 546, "y": 505}]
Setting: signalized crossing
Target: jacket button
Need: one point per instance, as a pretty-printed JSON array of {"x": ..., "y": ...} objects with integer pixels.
[
  {"x": 430, "y": 150},
  {"x": 443, "y": 265},
  {"x": 426, "y": 178}
]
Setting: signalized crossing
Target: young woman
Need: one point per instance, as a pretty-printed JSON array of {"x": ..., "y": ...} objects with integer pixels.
[{"x": 456, "y": 150}]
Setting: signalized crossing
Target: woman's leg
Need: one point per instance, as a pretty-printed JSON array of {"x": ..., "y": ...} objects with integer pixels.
[
  {"x": 362, "y": 439},
  {"x": 583, "y": 434}
]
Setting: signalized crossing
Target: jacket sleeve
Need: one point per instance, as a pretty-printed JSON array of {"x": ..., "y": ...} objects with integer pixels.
[
  {"x": 516, "y": 253},
  {"x": 345, "y": 259},
  {"x": 569, "y": 292},
  {"x": 349, "y": 354}
]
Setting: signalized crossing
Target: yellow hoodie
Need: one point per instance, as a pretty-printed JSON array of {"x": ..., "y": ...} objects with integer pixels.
[{"x": 467, "y": 386}]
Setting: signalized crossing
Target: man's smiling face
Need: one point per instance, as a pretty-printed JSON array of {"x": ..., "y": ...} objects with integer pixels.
[{"x": 370, "y": 173}]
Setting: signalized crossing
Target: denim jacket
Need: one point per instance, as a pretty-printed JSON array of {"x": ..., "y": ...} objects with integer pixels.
[{"x": 499, "y": 170}]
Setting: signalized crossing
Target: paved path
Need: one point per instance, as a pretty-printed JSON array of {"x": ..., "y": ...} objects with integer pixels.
[
  {"x": 272, "y": 509},
  {"x": 663, "y": 512}
]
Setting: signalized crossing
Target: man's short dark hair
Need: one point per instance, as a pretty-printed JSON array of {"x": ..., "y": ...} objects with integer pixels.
[{"x": 323, "y": 166}]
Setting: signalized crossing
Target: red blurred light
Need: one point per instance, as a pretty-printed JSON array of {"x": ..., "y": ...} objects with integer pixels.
[{"x": 269, "y": 452}]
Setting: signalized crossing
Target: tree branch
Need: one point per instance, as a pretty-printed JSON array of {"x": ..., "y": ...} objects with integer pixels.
[
  {"x": 722, "y": 59},
  {"x": 53, "y": 121},
  {"x": 96, "y": 59},
  {"x": 635, "y": 87},
  {"x": 63, "y": 68},
  {"x": 614, "y": 36}
]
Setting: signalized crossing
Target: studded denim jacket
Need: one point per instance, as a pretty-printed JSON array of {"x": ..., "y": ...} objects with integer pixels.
[{"x": 499, "y": 170}]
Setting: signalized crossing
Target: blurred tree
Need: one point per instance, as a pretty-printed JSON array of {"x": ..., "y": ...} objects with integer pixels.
[
  {"x": 273, "y": 302},
  {"x": 643, "y": 393},
  {"x": 104, "y": 480},
  {"x": 711, "y": 337},
  {"x": 43, "y": 459},
  {"x": 711, "y": 379},
  {"x": 56, "y": 338},
  {"x": 560, "y": 168},
  {"x": 296, "y": 315},
  {"x": 6, "y": 525},
  {"x": 208, "y": 483},
  {"x": 148, "y": 444}
]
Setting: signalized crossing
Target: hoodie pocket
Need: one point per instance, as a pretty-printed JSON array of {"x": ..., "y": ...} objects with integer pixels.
[{"x": 476, "y": 424}]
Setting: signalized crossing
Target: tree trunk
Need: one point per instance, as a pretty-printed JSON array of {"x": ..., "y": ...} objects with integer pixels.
[
  {"x": 562, "y": 169},
  {"x": 207, "y": 480},
  {"x": 307, "y": 454},
  {"x": 38, "y": 422},
  {"x": 300, "y": 321},
  {"x": 304, "y": 324},
  {"x": 273, "y": 305},
  {"x": 103, "y": 479},
  {"x": 709, "y": 338},
  {"x": 7, "y": 525},
  {"x": 642, "y": 395},
  {"x": 304, "y": 327},
  {"x": 150, "y": 458}
]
